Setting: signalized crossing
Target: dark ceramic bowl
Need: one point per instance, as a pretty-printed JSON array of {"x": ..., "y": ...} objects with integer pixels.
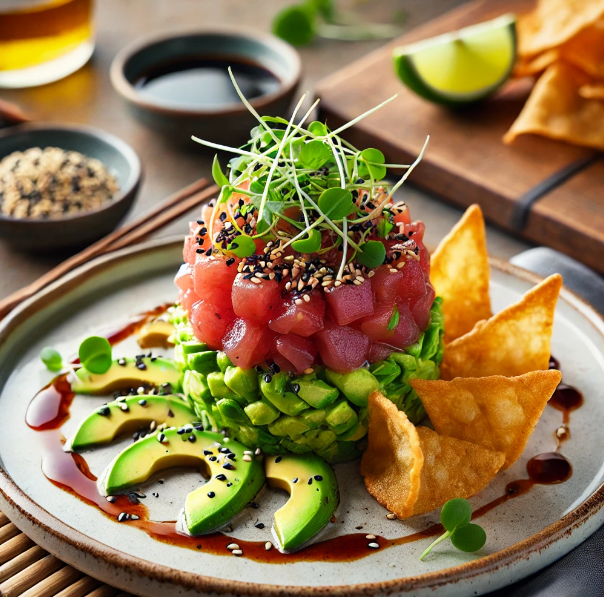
[
  {"x": 81, "y": 229},
  {"x": 227, "y": 124}
]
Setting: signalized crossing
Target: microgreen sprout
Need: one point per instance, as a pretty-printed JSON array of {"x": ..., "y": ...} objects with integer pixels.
[
  {"x": 52, "y": 359},
  {"x": 301, "y": 185},
  {"x": 95, "y": 354},
  {"x": 455, "y": 516}
]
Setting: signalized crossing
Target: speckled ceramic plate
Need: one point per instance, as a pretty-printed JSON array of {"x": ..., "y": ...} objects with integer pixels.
[{"x": 524, "y": 534}]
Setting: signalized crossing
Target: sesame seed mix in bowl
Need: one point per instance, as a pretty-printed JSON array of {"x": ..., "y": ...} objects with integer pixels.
[{"x": 52, "y": 183}]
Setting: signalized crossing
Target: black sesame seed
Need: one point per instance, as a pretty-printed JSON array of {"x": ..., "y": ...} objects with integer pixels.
[
  {"x": 278, "y": 459},
  {"x": 180, "y": 431},
  {"x": 258, "y": 369},
  {"x": 310, "y": 481},
  {"x": 155, "y": 494},
  {"x": 296, "y": 388},
  {"x": 198, "y": 426},
  {"x": 224, "y": 450},
  {"x": 161, "y": 437},
  {"x": 230, "y": 261},
  {"x": 133, "y": 499},
  {"x": 228, "y": 466},
  {"x": 295, "y": 480},
  {"x": 231, "y": 456},
  {"x": 104, "y": 411},
  {"x": 142, "y": 402},
  {"x": 212, "y": 459},
  {"x": 221, "y": 477},
  {"x": 275, "y": 368},
  {"x": 161, "y": 481},
  {"x": 318, "y": 478},
  {"x": 111, "y": 499},
  {"x": 123, "y": 516},
  {"x": 211, "y": 494},
  {"x": 208, "y": 452},
  {"x": 229, "y": 484},
  {"x": 121, "y": 362},
  {"x": 259, "y": 525},
  {"x": 209, "y": 251},
  {"x": 141, "y": 366},
  {"x": 192, "y": 438},
  {"x": 268, "y": 378},
  {"x": 254, "y": 505}
]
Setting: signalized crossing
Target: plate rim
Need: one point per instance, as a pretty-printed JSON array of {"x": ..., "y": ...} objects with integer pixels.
[{"x": 31, "y": 511}]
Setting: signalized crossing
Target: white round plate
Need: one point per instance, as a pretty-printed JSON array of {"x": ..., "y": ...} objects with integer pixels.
[{"x": 524, "y": 534}]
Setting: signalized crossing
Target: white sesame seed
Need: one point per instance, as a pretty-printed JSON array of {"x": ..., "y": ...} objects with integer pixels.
[
  {"x": 370, "y": 537},
  {"x": 152, "y": 426},
  {"x": 338, "y": 283},
  {"x": 371, "y": 274},
  {"x": 298, "y": 301},
  {"x": 289, "y": 258},
  {"x": 237, "y": 552},
  {"x": 258, "y": 452},
  {"x": 268, "y": 546},
  {"x": 247, "y": 458},
  {"x": 360, "y": 278},
  {"x": 307, "y": 298},
  {"x": 372, "y": 545},
  {"x": 400, "y": 265},
  {"x": 391, "y": 516},
  {"x": 357, "y": 283},
  {"x": 328, "y": 283},
  {"x": 232, "y": 546},
  {"x": 140, "y": 390},
  {"x": 256, "y": 280},
  {"x": 393, "y": 270},
  {"x": 248, "y": 452},
  {"x": 309, "y": 371}
]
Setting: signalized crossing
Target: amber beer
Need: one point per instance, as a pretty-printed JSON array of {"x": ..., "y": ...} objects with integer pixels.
[{"x": 43, "y": 40}]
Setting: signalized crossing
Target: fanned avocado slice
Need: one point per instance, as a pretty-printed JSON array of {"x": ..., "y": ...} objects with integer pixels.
[
  {"x": 127, "y": 415},
  {"x": 313, "y": 490},
  {"x": 233, "y": 483},
  {"x": 126, "y": 373}
]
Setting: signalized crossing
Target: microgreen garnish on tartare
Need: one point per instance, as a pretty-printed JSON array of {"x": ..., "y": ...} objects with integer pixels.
[
  {"x": 95, "y": 354},
  {"x": 52, "y": 359}
]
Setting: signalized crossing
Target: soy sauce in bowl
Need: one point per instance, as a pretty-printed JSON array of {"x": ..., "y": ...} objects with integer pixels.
[{"x": 204, "y": 82}]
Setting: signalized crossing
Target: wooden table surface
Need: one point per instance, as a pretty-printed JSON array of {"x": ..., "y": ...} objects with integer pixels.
[{"x": 88, "y": 97}]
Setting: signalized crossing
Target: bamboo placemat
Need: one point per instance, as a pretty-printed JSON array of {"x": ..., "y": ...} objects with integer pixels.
[{"x": 27, "y": 570}]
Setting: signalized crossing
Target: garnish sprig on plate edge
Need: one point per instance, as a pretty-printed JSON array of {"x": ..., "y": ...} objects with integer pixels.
[
  {"x": 455, "y": 516},
  {"x": 337, "y": 191}
]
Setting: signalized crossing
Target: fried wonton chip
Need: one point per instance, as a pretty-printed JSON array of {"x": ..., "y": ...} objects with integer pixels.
[
  {"x": 537, "y": 64},
  {"x": 460, "y": 274},
  {"x": 498, "y": 413},
  {"x": 452, "y": 469},
  {"x": 555, "y": 109},
  {"x": 592, "y": 91},
  {"x": 513, "y": 342},
  {"x": 554, "y": 22},
  {"x": 586, "y": 50},
  {"x": 393, "y": 460}
]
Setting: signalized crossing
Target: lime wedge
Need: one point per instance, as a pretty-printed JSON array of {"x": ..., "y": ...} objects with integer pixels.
[{"x": 460, "y": 67}]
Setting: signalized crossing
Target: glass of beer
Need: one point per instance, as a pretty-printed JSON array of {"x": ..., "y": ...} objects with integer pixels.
[{"x": 43, "y": 40}]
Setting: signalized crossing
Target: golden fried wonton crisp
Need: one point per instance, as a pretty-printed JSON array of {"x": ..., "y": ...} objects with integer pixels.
[
  {"x": 452, "y": 468},
  {"x": 592, "y": 91},
  {"x": 586, "y": 50},
  {"x": 536, "y": 64},
  {"x": 512, "y": 342},
  {"x": 460, "y": 274},
  {"x": 393, "y": 460},
  {"x": 555, "y": 109},
  {"x": 498, "y": 413},
  {"x": 554, "y": 22}
]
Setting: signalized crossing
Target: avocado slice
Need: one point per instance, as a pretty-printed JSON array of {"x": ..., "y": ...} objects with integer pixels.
[
  {"x": 233, "y": 481},
  {"x": 156, "y": 334},
  {"x": 244, "y": 382},
  {"x": 126, "y": 373},
  {"x": 128, "y": 414},
  {"x": 316, "y": 392},
  {"x": 356, "y": 385},
  {"x": 313, "y": 490}
]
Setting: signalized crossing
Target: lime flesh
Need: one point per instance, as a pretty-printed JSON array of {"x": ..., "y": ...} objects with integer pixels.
[{"x": 460, "y": 67}]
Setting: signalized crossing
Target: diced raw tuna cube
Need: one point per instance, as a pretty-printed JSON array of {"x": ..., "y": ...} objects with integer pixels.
[
  {"x": 350, "y": 302},
  {"x": 247, "y": 343},
  {"x": 299, "y": 351},
  {"x": 256, "y": 302},
  {"x": 420, "y": 307},
  {"x": 210, "y": 323},
  {"x": 413, "y": 283},
  {"x": 342, "y": 348},
  {"x": 404, "y": 334},
  {"x": 304, "y": 319}
]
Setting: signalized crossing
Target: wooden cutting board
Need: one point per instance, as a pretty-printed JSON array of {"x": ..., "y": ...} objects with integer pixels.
[{"x": 546, "y": 191}]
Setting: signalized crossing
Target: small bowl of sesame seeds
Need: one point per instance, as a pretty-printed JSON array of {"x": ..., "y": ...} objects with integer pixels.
[{"x": 63, "y": 186}]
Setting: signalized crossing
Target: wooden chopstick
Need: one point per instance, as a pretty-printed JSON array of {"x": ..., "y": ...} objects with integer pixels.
[
  {"x": 165, "y": 218},
  {"x": 163, "y": 213},
  {"x": 12, "y": 113}
]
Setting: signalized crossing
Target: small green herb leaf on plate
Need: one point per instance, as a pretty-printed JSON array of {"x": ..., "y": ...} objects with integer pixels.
[
  {"x": 242, "y": 246},
  {"x": 372, "y": 254},
  {"x": 456, "y": 513},
  {"x": 315, "y": 154},
  {"x": 470, "y": 538},
  {"x": 95, "y": 354},
  {"x": 295, "y": 24},
  {"x": 335, "y": 203},
  {"x": 455, "y": 516},
  {"x": 308, "y": 245},
  {"x": 394, "y": 319},
  {"x": 217, "y": 173},
  {"x": 370, "y": 166},
  {"x": 52, "y": 359}
]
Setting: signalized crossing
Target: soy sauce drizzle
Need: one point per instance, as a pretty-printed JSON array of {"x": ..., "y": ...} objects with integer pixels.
[
  {"x": 565, "y": 399},
  {"x": 49, "y": 409}
]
